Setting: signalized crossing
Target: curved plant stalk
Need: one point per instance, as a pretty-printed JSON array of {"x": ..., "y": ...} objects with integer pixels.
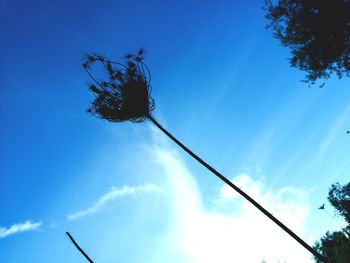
[
  {"x": 79, "y": 248},
  {"x": 242, "y": 193},
  {"x": 125, "y": 96}
]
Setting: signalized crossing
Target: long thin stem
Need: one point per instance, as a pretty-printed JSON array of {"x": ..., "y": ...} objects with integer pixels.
[
  {"x": 79, "y": 248},
  {"x": 236, "y": 188}
]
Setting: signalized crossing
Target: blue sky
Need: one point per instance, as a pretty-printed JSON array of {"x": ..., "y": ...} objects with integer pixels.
[{"x": 222, "y": 85}]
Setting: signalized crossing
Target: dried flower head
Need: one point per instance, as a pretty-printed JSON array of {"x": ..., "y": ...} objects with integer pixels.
[{"x": 124, "y": 93}]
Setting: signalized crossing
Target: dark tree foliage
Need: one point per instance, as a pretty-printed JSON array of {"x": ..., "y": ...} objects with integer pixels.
[
  {"x": 124, "y": 93},
  {"x": 335, "y": 247},
  {"x": 317, "y": 33},
  {"x": 339, "y": 197}
]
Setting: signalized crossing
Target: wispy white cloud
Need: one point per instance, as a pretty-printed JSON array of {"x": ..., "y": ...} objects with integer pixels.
[
  {"x": 53, "y": 223},
  {"x": 19, "y": 227},
  {"x": 112, "y": 195},
  {"x": 232, "y": 230}
]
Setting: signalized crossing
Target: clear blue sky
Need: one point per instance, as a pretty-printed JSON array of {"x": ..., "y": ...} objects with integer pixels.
[{"x": 222, "y": 85}]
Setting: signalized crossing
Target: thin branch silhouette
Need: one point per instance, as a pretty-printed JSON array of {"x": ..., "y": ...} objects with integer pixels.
[
  {"x": 129, "y": 100},
  {"x": 79, "y": 248}
]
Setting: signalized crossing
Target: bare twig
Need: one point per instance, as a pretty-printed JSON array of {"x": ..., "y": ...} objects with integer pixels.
[{"x": 79, "y": 248}]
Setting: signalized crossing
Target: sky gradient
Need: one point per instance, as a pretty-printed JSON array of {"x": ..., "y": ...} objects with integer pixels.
[{"x": 222, "y": 85}]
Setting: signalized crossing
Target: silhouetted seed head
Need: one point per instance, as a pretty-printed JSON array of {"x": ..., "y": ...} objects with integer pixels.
[{"x": 124, "y": 93}]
